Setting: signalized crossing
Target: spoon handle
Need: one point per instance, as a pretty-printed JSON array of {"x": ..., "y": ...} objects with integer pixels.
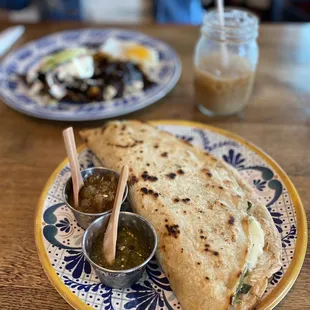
[
  {"x": 77, "y": 180},
  {"x": 109, "y": 242}
]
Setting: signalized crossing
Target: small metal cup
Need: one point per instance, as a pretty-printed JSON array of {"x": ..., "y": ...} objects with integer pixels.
[
  {"x": 84, "y": 219},
  {"x": 119, "y": 278}
]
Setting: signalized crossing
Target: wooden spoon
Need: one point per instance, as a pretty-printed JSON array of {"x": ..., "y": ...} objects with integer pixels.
[
  {"x": 77, "y": 180},
  {"x": 110, "y": 237}
]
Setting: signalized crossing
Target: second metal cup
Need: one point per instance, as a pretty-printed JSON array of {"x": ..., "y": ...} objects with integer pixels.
[{"x": 119, "y": 278}]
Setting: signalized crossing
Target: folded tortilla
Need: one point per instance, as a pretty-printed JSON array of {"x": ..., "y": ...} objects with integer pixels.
[{"x": 218, "y": 244}]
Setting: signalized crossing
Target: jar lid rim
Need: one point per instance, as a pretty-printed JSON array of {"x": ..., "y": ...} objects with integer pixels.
[
  {"x": 233, "y": 18},
  {"x": 240, "y": 25}
]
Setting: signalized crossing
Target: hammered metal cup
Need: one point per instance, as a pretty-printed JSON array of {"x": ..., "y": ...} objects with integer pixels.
[
  {"x": 84, "y": 219},
  {"x": 119, "y": 278}
]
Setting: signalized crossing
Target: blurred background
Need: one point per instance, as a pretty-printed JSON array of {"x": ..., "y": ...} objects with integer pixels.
[{"x": 145, "y": 11}]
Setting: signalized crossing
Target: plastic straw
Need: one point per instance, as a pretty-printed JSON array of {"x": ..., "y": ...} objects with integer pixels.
[{"x": 220, "y": 16}]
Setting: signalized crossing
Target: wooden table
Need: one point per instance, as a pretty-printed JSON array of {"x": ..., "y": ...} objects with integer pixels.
[{"x": 277, "y": 120}]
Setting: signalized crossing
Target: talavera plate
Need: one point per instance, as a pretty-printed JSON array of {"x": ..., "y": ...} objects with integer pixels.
[
  {"x": 58, "y": 237},
  {"x": 17, "y": 95}
]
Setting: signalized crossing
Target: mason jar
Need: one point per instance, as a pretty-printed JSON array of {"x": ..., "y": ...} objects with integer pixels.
[{"x": 225, "y": 62}]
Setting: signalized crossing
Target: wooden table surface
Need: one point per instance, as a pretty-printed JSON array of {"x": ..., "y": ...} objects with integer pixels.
[{"x": 277, "y": 120}]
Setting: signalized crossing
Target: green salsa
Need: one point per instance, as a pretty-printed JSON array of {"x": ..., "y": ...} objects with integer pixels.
[
  {"x": 98, "y": 193},
  {"x": 132, "y": 249}
]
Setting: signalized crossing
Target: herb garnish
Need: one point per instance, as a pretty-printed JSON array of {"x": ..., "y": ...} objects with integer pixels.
[{"x": 242, "y": 288}]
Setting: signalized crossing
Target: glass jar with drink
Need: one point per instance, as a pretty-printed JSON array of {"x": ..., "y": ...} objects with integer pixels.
[{"x": 225, "y": 62}]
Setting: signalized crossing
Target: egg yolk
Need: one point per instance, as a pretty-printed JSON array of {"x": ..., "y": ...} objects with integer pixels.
[{"x": 139, "y": 52}]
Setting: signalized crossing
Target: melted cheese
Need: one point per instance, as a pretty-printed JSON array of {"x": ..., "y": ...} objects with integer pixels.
[{"x": 258, "y": 242}]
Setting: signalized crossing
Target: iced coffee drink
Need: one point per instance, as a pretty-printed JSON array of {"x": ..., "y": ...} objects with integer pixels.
[
  {"x": 225, "y": 60},
  {"x": 223, "y": 88}
]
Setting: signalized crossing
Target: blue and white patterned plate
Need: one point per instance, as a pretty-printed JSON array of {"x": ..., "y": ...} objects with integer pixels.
[
  {"x": 58, "y": 236},
  {"x": 17, "y": 96}
]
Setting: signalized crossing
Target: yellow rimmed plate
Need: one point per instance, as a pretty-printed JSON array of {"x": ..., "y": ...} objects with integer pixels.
[{"x": 58, "y": 236}]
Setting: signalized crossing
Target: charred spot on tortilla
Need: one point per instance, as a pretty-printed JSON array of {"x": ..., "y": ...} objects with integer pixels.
[
  {"x": 231, "y": 220},
  {"x": 249, "y": 205},
  {"x": 207, "y": 278},
  {"x": 171, "y": 175},
  {"x": 166, "y": 220},
  {"x": 221, "y": 187},
  {"x": 146, "y": 177},
  {"x": 180, "y": 171},
  {"x": 182, "y": 250},
  {"x": 216, "y": 253},
  {"x": 186, "y": 200},
  {"x": 207, "y": 247},
  {"x": 173, "y": 230},
  {"x": 198, "y": 263},
  {"x": 133, "y": 179},
  {"x": 149, "y": 191},
  {"x": 156, "y": 146},
  {"x": 123, "y": 127},
  {"x": 207, "y": 172},
  {"x": 148, "y": 164},
  {"x": 164, "y": 154},
  {"x": 176, "y": 200},
  {"x": 156, "y": 210},
  {"x": 144, "y": 190},
  {"x": 184, "y": 212}
]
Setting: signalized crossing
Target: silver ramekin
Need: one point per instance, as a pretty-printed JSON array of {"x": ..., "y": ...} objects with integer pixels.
[
  {"x": 84, "y": 219},
  {"x": 119, "y": 278}
]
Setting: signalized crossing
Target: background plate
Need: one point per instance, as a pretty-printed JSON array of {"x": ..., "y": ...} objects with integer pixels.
[
  {"x": 16, "y": 95},
  {"x": 58, "y": 237}
]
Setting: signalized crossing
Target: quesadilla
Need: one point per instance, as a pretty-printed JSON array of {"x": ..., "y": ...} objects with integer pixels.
[{"x": 217, "y": 243}]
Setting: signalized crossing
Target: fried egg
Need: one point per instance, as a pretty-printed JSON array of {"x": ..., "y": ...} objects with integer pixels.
[{"x": 144, "y": 55}]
